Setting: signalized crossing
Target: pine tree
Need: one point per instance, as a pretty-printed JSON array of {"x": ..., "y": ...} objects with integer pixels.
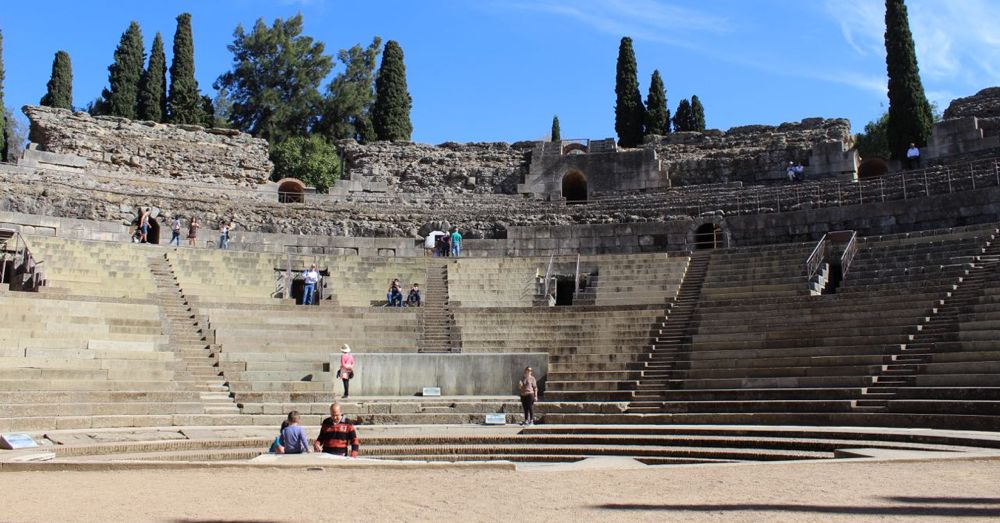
[
  {"x": 556, "y": 134},
  {"x": 184, "y": 102},
  {"x": 349, "y": 97},
  {"x": 629, "y": 112},
  {"x": 4, "y": 127},
  {"x": 657, "y": 114},
  {"x": 697, "y": 115},
  {"x": 60, "y": 87},
  {"x": 153, "y": 87},
  {"x": 682, "y": 117},
  {"x": 122, "y": 96},
  {"x": 391, "y": 110},
  {"x": 910, "y": 115},
  {"x": 275, "y": 78}
]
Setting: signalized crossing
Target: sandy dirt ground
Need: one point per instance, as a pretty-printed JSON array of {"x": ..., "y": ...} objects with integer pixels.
[{"x": 885, "y": 491}]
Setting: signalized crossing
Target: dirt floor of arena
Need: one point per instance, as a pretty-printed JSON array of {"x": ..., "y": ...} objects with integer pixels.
[{"x": 859, "y": 491}]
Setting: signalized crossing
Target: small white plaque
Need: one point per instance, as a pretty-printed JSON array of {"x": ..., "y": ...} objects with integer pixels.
[
  {"x": 496, "y": 419},
  {"x": 431, "y": 391},
  {"x": 13, "y": 441}
]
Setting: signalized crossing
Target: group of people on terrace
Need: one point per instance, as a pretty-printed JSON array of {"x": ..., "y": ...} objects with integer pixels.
[
  {"x": 144, "y": 226},
  {"x": 439, "y": 243},
  {"x": 394, "y": 296}
]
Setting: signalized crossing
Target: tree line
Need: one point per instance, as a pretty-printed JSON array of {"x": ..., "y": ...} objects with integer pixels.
[{"x": 272, "y": 91}]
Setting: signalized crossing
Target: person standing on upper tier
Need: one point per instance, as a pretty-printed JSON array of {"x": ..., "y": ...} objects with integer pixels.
[
  {"x": 310, "y": 278},
  {"x": 913, "y": 157},
  {"x": 456, "y": 242},
  {"x": 175, "y": 231}
]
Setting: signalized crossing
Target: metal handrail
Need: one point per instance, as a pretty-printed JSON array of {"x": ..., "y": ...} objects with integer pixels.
[
  {"x": 850, "y": 250},
  {"x": 815, "y": 258}
]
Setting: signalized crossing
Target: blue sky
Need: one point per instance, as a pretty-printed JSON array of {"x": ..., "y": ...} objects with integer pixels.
[{"x": 499, "y": 69}]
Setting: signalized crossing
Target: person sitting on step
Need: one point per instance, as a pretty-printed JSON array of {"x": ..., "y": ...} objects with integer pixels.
[
  {"x": 394, "y": 298},
  {"x": 293, "y": 437},
  {"x": 413, "y": 298},
  {"x": 337, "y": 435}
]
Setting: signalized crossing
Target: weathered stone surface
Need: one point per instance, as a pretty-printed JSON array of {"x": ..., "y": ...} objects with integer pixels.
[
  {"x": 750, "y": 153},
  {"x": 984, "y": 104},
  {"x": 149, "y": 149},
  {"x": 494, "y": 167}
]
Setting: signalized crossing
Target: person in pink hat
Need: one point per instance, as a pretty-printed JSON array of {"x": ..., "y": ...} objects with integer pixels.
[{"x": 346, "y": 371}]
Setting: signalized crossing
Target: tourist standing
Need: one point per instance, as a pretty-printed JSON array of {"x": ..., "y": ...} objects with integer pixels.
[
  {"x": 346, "y": 372},
  {"x": 310, "y": 278},
  {"x": 293, "y": 437},
  {"x": 224, "y": 237},
  {"x": 175, "y": 231},
  {"x": 790, "y": 171},
  {"x": 800, "y": 172},
  {"x": 456, "y": 242},
  {"x": 144, "y": 226},
  {"x": 913, "y": 157},
  {"x": 193, "y": 232},
  {"x": 529, "y": 395},
  {"x": 337, "y": 435}
]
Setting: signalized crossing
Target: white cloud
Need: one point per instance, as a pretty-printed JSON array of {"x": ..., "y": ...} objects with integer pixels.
[
  {"x": 956, "y": 41},
  {"x": 642, "y": 19}
]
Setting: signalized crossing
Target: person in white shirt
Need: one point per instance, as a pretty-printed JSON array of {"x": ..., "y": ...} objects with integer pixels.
[
  {"x": 790, "y": 171},
  {"x": 311, "y": 278},
  {"x": 912, "y": 157}
]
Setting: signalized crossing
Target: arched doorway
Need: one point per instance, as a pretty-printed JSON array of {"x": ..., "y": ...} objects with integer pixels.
[
  {"x": 291, "y": 190},
  {"x": 574, "y": 187},
  {"x": 707, "y": 236},
  {"x": 574, "y": 148},
  {"x": 872, "y": 168}
]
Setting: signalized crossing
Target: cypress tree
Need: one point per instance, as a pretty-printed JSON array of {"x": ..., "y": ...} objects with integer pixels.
[
  {"x": 153, "y": 88},
  {"x": 556, "y": 134},
  {"x": 682, "y": 117},
  {"x": 697, "y": 115},
  {"x": 4, "y": 132},
  {"x": 124, "y": 74},
  {"x": 391, "y": 110},
  {"x": 910, "y": 116},
  {"x": 657, "y": 114},
  {"x": 629, "y": 112},
  {"x": 60, "y": 87},
  {"x": 184, "y": 102}
]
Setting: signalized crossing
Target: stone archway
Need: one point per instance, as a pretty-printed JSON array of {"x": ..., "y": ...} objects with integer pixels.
[
  {"x": 574, "y": 187},
  {"x": 872, "y": 168},
  {"x": 707, "y": 236},
  {"x": 291, "y": 190},
  {"x": 575, "y": 148}
]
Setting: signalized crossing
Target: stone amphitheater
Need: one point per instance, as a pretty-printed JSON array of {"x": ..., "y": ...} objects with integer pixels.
[{"x": 707, "y": 311}]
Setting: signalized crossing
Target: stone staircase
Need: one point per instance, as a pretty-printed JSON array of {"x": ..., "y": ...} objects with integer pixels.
[
  {"x": 901, "y": 369},
  {"x": 197, "y": 368},
  {"x": 671, "y": 338},
  {"x": 438, "y": 332}
]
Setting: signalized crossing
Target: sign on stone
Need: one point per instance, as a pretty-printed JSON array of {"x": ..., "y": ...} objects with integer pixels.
[
  {"x": 13, "y": 441},
  {"x": 431, "y": 391},
  {"x": 496, "y": 419}
]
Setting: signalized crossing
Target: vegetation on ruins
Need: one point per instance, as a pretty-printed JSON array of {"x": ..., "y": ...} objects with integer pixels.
[
  {"x": 910, "y": 115},
  {"x": 311, "y": 159},
  {"x": 153, "y": 86},
  {"x": 873, "y": 141},
  {"x": 556, "y": 134},
  {"x": 391, "y": 110},
  {"x": 4, "y": 121},
  {"x": 60, "y": 87},
  {"x": 697, "y": 115},
  {"x": 629, "y": 112},
  {"x": 275, "y": 78},
  {"x": 657, "y": 113},
  {"x": 682, "y": 116},
  {"x": 122, "y": 95},
  {"x": 349, "y": 97},
  {"x": 184, "y": 102}
]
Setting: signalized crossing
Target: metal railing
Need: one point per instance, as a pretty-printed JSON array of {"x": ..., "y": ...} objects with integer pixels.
[
  {"x": 815, "y": 259},
  {"x": 850, "y": 250},
  {"x": 24, "y": 274}
]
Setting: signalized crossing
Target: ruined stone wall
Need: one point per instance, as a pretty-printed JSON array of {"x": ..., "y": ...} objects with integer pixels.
[
  {"x": 147, "y": 149},
  {"x": 984, "y": 104},
  {"x": 484, "y": 167},
  {"x": 751, "y": 153}
]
